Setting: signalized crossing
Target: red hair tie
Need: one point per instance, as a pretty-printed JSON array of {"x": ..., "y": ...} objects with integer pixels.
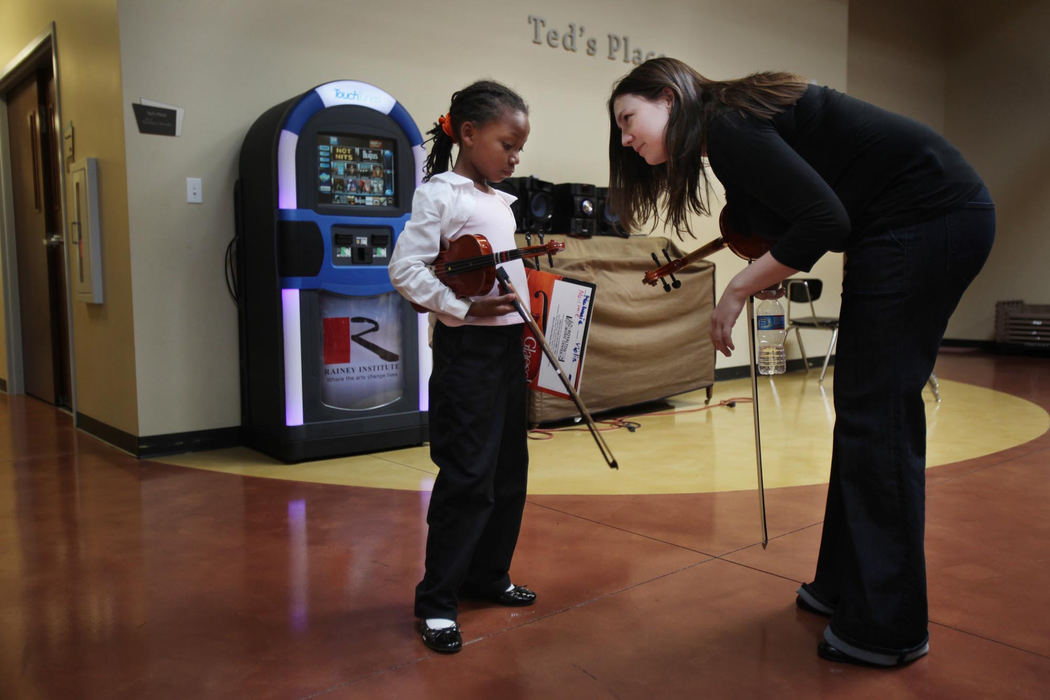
[{"x": 445, "y": 121}]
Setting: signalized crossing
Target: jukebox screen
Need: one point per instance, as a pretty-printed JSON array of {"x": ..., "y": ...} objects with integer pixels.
[{"x": 356, "y": 171}]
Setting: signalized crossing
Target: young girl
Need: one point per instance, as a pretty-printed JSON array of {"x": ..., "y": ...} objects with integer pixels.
[
  {"x": 814, "y": 170},
  {"x": 477, "y": 387}
]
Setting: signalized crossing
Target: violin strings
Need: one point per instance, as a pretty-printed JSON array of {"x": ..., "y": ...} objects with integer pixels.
[{"x": 453, "y": 267}]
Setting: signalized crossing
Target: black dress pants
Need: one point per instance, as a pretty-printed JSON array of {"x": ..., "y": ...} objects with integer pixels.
[
  {"x": 899, "y": 289},
  {"x": 478, "y": 434}
]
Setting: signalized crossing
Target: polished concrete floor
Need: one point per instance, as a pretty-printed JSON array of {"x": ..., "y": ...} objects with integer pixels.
[{"x": 226, "y": 575}]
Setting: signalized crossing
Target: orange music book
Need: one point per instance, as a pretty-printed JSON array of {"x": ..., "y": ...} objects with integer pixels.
[{"x": 562, "y": 309}]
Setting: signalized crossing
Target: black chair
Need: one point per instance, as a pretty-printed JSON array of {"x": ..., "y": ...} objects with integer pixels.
[{"x": 805, "y": 291}]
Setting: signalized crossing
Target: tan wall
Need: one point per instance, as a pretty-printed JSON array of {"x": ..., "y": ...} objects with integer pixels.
[
  {"x": 90, "y": 98},
  {"x": 998, "y": 97},
  {"x": 979, "y": 72},
  {"x": 897, "y": 57}
]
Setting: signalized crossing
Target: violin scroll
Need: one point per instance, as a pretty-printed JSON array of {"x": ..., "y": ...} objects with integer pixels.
[{"x": 550, "y": 248}]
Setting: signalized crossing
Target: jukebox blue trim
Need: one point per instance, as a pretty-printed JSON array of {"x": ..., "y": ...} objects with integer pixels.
[{"x": 367, "y": 279}]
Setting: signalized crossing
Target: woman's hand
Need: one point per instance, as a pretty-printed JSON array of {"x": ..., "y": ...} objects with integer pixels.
[
  {"x": 723, "y": 318},
  {"x": 760, "y": 278},
  {"x": 492, "y": 306}
]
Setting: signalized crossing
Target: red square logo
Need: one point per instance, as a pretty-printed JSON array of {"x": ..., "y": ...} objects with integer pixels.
[{"x": 337, "y": 340}]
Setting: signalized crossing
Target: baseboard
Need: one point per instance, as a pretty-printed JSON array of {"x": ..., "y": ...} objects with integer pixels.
[
  {"x": 107, "y": 433},
  {"x": 960, "y": 343},
  {"x": 985, "y": 345},
  {"x": 1030, "y": 349},
  {"x": 194, "y": 441},
  {"x": 159, "y": 445},
  {"x": 993, "y": 347}
]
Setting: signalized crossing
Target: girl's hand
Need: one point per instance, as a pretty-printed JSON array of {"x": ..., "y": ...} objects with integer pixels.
[
  {"x": 492, "y": 306},
  {"x": 723, "y": 318}
]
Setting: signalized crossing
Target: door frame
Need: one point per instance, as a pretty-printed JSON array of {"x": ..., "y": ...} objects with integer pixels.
[{"x": 43, "y": 48}]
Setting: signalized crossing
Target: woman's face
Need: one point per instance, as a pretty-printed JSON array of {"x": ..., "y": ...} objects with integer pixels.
[{"x": 643, "y": 125}]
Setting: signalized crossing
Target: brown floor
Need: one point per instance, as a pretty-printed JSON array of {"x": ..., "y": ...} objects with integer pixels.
[{"x": 122, "y": 578}]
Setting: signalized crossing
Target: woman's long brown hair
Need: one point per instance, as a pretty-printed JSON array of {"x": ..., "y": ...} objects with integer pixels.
[{"x": 635, "y": 187}]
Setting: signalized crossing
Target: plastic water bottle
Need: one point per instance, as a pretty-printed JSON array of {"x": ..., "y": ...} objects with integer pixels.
[{"x": 771, "y": 334}]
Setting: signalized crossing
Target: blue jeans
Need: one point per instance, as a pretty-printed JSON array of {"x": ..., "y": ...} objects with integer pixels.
[{"x": 899, "y": 289}]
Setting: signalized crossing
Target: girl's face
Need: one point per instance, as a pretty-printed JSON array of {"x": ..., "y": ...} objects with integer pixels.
[
  {"x": 643, "y": 125},
  {"x": 489, "y": 152}
]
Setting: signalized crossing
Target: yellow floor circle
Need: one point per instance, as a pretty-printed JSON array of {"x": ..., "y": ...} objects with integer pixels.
[{"x": 688, "y": 448}]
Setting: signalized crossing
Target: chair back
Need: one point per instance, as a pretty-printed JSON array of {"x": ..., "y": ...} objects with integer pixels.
[{"x": 804, "y": 291}]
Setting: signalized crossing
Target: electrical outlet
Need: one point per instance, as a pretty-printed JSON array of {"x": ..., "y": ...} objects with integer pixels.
[{"x": 194, "y": 191}]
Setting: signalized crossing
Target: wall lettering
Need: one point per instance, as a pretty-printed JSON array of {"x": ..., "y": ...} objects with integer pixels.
[{"x": 573, "y": 38}]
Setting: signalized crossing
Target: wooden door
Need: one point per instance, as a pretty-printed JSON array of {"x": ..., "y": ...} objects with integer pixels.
[{"x": 38, "y": 239}]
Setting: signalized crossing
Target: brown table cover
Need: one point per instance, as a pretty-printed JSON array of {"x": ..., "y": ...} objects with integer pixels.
[{"x": 644, "y": 344}]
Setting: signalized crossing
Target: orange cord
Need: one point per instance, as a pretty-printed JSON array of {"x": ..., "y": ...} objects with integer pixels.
[{"x": 628, "y": 422}]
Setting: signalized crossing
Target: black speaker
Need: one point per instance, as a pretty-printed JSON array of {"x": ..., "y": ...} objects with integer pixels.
[
  {"x": 575, "y": 209},
  {"x": 535, "y": 205},
  {"x": 608, "y": 223}
]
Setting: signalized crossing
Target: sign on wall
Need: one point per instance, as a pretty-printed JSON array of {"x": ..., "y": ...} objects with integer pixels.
[{"x": 574, "y": 38}]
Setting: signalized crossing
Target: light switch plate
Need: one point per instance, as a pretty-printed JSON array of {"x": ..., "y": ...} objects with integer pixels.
[{"x": 194, "y": 190}]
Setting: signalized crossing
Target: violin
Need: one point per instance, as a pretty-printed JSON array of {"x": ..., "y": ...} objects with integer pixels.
[
  {"x": 744, "y": 245},
  {"x": 468, "y": 265}
]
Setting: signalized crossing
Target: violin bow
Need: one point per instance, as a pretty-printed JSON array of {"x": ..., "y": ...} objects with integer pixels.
[
  {"x": 754, "y": 410},
  {"x": 504, "y": 280}
]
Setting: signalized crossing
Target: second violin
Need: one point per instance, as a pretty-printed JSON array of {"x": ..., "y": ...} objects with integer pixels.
[{"x": 742, "y": 244}]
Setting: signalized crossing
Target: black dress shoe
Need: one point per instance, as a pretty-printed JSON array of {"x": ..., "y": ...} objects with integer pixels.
[
  {"x": 516, "y": 597},
  {"x": 446, "y": 640},
  {"x": 826, "y": 651}
]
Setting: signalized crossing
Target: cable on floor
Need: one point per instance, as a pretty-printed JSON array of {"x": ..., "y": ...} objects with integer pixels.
[{"x": 630, "y": 422}]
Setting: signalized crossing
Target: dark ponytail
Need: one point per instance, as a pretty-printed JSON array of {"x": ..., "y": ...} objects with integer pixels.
[
  {"x": 481, "y": 103},
  {"x": 440, "y": 157}
]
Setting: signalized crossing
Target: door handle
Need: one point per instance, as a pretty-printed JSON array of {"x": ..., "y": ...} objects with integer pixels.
[{"x": 53, "y": 240}]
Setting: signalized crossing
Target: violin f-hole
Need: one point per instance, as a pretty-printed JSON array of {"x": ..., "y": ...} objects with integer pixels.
[{"x": 540, "y": 294}]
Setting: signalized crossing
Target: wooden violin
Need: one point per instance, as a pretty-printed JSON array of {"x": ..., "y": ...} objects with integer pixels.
[
  {"x": 468, "y": 265},
  {"x": 744, "y": 245}
]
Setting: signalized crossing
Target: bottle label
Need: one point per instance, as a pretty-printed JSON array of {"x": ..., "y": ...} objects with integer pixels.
[{"x": 771, "y": 323}]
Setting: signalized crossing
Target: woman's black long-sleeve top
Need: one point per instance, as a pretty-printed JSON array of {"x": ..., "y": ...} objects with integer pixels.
[{"x": 819, "y": 175}]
